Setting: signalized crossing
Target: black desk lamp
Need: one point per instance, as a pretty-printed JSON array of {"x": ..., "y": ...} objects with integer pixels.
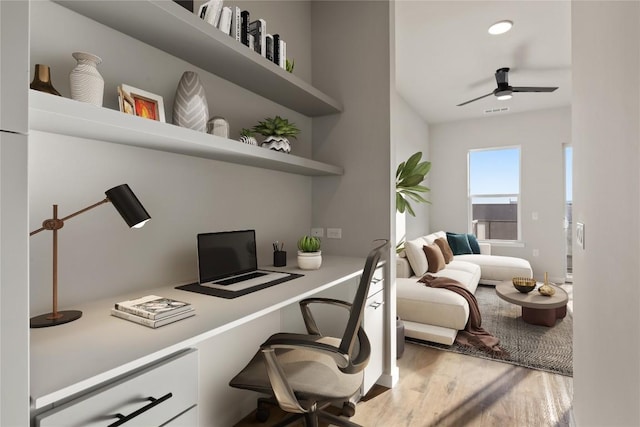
[{"x": 132, "y": 212}]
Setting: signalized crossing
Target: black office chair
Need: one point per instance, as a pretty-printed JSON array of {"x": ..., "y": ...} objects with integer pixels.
[{"x": 304, "y": 374}]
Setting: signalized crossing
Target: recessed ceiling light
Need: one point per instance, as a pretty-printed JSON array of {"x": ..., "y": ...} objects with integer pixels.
[{"x": 500, "y": 27}]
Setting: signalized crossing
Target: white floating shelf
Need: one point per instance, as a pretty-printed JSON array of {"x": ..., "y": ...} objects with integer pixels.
[
  {"x": 55, "y": 114},
  {"x": 169, "y": 27}
]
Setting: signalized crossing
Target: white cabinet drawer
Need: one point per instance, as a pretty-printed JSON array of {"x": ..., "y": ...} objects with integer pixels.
[
  {"x": 377, "y": 281},
  {"x": 373, "y": 323},
  {"x": 148, "y": 397}
]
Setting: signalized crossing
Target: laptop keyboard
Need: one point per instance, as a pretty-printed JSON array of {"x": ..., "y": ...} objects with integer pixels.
[{"x": 237, "y": 279}]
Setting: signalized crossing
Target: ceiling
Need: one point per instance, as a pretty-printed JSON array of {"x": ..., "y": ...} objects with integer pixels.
[{"x": 445, "y": 56}]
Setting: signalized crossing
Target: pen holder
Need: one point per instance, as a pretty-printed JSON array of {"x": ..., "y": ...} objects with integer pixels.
[{"x": 279, "y": 258}]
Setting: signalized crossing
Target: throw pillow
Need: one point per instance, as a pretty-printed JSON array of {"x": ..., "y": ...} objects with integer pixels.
[
  {"x": 415, "y": 255},
  {"x": 445, "y": 248},
  {"x": 459, "y": 243},
  {"x": 473, "y": 243},
  {"x": 434, "y": 258}
]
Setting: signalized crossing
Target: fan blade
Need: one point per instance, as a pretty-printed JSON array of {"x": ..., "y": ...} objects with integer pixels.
[
  {"x": 533, "y": 89},
  {"x": 475, "y": 99}
]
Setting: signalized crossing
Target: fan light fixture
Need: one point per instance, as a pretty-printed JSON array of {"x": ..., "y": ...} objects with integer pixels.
[
  {"x": 500, "y": 27},
  {"x": 504, "y": 97}
]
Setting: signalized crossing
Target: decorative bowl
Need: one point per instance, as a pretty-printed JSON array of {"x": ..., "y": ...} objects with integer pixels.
[{"x": 524, "y": 284}]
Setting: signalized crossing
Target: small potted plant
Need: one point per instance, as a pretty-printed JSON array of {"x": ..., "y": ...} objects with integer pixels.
[
  {"x": 246, "y": 137},
  {"x": 309, "y": 253},
  {"x": 277, "y": 132}
]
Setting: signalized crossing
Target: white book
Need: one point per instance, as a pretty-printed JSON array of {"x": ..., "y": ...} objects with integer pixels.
[
  {"x": 251, "y": 41},
  {"x": 212, "y": 12},
  {"x": 149, "y": 322},
  {"x": 153, "y": 307},
  {"x": 236, "y": 23},
  {"x": 283, "y": 54},
  {"x": 225, "y": 20}
]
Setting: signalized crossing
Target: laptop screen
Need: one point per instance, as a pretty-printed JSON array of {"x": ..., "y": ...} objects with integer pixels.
[{"x": 225, "y": 254}]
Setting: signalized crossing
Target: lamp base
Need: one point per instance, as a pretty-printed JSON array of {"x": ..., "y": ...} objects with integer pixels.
[{"x": 46, "y": 320}]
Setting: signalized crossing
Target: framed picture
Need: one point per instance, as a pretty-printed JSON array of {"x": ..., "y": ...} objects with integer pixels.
[{"x": 141, "y": 103}]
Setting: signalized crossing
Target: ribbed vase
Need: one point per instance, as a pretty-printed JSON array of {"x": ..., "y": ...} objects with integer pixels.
[
  {"x": 87, "y": 85},
  {"x": 190, "y": 108}
]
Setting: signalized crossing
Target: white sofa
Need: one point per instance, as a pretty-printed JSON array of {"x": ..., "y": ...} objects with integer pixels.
[{"x": 434, "y": 314}]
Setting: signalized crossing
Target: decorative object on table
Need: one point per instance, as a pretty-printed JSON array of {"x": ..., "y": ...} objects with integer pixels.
[
  {"x": 409, "y": 176},
  {"x": 546, "y": 289},
  {"x": 309, "y": 253},
  {"x": 145, "y": 104},
  {"x": 87, "y": 85},
  {"x": 279, "y": 255},
  {"x": 153, "y": 307},
  {"x": 131, "y": 210},
  {"x": 218, "y": 126},
  {"x": 246, "y": 137},
  {"x": 277, "y": 132},
  {"x": 524, "y": 284},
  {"x": 289, "y": 65},
  {"x": 174, "y": 317},
  {"x": 190, "y": 108},
  {"x": 42, "y": 80}
]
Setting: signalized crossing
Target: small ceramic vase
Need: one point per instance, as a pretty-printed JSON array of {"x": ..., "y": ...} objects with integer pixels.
[
  {"x": 87, "y": 85},
  {"x": 218, "y": 126},
  {"x": 42, "y": 80},
  {"x": 277, "y": 143}
]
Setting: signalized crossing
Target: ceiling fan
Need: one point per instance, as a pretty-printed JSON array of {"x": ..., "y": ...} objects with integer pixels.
[{"x": 504, "y": 91}]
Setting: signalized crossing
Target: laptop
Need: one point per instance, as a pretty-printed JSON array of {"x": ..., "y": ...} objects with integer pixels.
[{"x": 228, "y": 260}]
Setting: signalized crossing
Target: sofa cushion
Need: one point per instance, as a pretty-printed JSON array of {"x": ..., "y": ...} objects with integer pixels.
[
  {"x": 473, "y": 243},
  {"x": 498, "y": 268},
  {"x": 459, "y": 243},
  {"x": 445, "y": 248},
  {"x": 430, "y": 238},
  {"x": 416, "y": 256},
  {"x": 435, "y": 258}
]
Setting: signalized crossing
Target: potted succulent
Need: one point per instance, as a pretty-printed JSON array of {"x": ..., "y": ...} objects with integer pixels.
[
  {"x": 277, "y": 131},
  {"x": 246, "y": 137},
  {"x": 309, "y": 253}
]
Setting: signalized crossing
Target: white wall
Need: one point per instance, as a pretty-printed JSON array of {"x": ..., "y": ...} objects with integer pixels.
[
  {"x": 541, "y": 136},
  {"x": 606, "y": 111},
  {"x": 98, "y": 255},
  {"x": 412, "y": 135}
]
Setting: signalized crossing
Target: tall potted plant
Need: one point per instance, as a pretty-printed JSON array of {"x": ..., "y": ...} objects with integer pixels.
[
  {"x": 277, "y": 132},
  {"x": 409, "y": 177},
  {"x": 309, "y": 253}
]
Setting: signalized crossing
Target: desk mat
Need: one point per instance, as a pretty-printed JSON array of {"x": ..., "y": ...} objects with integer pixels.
[{"x": 223, "y": 293}]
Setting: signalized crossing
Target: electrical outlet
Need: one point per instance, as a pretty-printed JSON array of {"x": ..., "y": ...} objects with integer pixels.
[
  {"x": 317, "y": 232},
  {"x": 536, "y": 252},
  {"x": 334, "y": 233}
]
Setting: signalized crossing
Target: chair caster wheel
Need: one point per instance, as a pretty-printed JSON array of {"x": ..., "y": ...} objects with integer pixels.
[
  {"x": 348, "y": 409},
  {"x": 262, "y": 414}
]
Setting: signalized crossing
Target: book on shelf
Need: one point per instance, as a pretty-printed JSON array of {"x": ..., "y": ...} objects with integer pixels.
[
  {"x": 150, "y": 322},
  {"x": 225, "y": 20},
  {"x": 283, "y": 54},
  {"x": 251, "y": 42},
  {"x": 276, "y": 49},
  {"x": 258, "y": 29},
  {"x": 211, "y": 11},
  {"x": 244, "y": 27},
  {"x": 269, "y": 40},
  {"x": 236, "y": 23},
  {"x": 153, "y": 307}
]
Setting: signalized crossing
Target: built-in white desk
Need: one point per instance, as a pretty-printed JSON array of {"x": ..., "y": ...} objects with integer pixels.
[{"x": 69, "y": 359}]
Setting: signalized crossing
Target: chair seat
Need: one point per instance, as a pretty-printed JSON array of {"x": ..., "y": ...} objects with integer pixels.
[{"x": 312, "y": 375}]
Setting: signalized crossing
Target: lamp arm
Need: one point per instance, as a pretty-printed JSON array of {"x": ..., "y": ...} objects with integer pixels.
[{"x": 56, "y": 223}]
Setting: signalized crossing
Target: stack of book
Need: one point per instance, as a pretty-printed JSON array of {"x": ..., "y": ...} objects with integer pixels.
[
  {"x": 153, "y": 311},
  {"x": 236, "y": 23}
]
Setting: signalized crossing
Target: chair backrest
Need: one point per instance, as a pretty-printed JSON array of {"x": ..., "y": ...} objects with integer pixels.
[{"x": 350, "y": 336}]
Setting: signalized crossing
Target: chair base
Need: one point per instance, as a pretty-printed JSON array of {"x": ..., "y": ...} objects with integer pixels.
[{"x": 311, "y": 419}]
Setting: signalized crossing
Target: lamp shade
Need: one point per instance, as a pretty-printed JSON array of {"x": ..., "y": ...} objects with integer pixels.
[{"x": 132, "y": 211}]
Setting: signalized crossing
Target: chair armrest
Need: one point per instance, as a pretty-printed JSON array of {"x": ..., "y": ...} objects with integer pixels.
[
  {"x": 485, "y": 248},
  {"x": 403, "y": 268},
  {"x": 308, "y": 342},
  {"x": 307, "y": 316}
]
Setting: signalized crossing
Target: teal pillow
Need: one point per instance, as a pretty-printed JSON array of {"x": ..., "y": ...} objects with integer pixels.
[
  {"x": 459, "y": 243},
  {"x": 473, "y": 242}
]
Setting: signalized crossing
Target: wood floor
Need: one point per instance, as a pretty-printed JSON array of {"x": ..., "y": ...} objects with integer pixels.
[{"x": 440, "y": 388}]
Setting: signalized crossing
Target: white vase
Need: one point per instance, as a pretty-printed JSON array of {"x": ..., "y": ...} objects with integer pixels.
[
  {"x": 190, "y": 108},
  {"x": 87, "y": 85},
  {"x": 309, "y": 260},
  {"x": 277, "y": 143}
]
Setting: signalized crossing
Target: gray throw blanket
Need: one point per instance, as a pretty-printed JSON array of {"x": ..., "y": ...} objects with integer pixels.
[{"x": 473, "y": 334}]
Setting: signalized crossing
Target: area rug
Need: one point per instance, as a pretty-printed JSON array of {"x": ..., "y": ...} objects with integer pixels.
[{"x": 537, "y": 347}]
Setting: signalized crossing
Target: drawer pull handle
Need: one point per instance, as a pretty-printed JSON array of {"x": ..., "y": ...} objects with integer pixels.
[
  {"x": 376, "y": 280},
  {"x": 154, "y": 402},
  {"x": 375, "y": 304}
]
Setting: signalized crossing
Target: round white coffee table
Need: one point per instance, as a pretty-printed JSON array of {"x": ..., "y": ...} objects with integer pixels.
[{"x": 537, "y": 309}]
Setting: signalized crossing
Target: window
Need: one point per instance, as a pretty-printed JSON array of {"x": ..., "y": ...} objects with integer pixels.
[{"x": 494, "y": 193}]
